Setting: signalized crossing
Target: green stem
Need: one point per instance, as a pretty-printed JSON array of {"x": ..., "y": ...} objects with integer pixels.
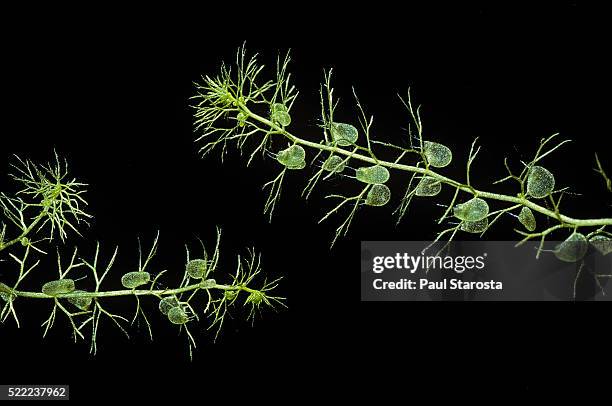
[
  {"x": 24, "y": 233},
  {"x": 430, "y": 173},
  {"x": 132, "y": 292}
]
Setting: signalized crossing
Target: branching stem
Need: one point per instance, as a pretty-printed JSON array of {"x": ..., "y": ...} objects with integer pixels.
[
  {"x": 26, "y": 232},
  {"x": 428, "y": 172},
  {"x": 131, "y": 292}
]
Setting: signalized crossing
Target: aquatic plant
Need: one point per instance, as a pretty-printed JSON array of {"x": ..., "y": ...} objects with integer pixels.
[
  {"x": 50, "y": 204},
  {"x": 238, "y": 106}
]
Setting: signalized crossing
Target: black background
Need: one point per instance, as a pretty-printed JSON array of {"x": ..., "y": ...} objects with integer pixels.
[{"x": 109, "y": 89}]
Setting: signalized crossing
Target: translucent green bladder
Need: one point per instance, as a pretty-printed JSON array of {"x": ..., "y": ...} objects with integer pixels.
[
  {"x": 540, "y": 182},
  {"x": 473, "y": 210}
]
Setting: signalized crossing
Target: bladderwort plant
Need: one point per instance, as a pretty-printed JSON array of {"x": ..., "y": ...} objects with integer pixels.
[
  {"x": 48, "y": 205},
  {"x": 238, "y": 106}
]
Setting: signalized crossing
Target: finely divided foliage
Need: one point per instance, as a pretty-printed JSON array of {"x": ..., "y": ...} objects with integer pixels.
[
  {"x": 48, "y": 205},
  {"x": 238, "y": 106}
]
